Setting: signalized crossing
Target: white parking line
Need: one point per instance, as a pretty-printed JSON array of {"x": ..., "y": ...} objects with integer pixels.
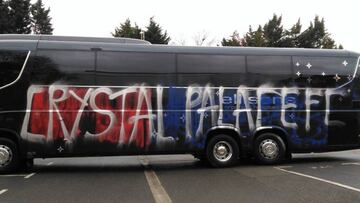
[
  {"x": 3, "y": 191},
  {"x": 319, "y": 179},
  {"x": 158, "y": 191},
  {"x": 29, "y": 176},
  {"x": 286, "y": 166},
  {"x": 13, "y": 175},
  {"x": 355, "y": 163}
]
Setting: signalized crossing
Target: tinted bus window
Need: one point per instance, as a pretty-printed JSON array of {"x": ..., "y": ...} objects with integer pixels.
[
  {"x": 188, "y": 63},
  {"x": 11, "y": 63},
  {"x": 70, "y": 67},
  {"x": 129, "y": 62},
  {"x": 272, "y": 70},
  {"x": 323, "y": 71},
  {"x": 131, "y": 68},
  {"x": 209, "y": 69}
]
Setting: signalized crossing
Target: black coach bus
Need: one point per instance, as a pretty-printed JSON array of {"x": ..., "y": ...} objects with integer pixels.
[{"x": 74, "y": 96}]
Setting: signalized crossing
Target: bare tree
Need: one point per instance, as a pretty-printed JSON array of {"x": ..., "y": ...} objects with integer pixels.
[
  {"x": 204, "y": 39},
  {"x": 180, "y": 42}
]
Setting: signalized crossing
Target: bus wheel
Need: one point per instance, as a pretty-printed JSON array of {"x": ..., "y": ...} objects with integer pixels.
[
  {"x": 269, "y": 148},
  {"x": 9, "y": 159},
  {"x": 222, "y": 151}
]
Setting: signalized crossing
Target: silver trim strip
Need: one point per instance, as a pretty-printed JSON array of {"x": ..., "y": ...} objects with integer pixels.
[
  {"x": 185, "y": 87},
  {"x": 170, "y": 111},
  {"x": 20, "y": 74}
]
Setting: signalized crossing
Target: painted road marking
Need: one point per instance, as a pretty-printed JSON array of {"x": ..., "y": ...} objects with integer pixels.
[
  {"x": 355, "y": 163},
  {"x": 3, "y": 191},
  {"x": 29, "y": 176},
  {"x": 319, "y": 179},
  {"x": 319, "y": 167},
  {"x": 13, "y": 175},
  {"x": 158, "y": 191},
  {"x": 49, "y": 164},
  {"x": 286, "y": 166}
]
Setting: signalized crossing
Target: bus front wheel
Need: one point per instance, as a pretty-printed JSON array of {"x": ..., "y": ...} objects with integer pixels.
[
  {"x": 222, "y": 151},
  {"x": 269, "y": 149},
  {"x": 9, "y": 159}
]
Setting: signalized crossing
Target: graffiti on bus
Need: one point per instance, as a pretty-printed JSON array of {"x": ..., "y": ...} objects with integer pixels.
[{"x": 156, "y": 116}]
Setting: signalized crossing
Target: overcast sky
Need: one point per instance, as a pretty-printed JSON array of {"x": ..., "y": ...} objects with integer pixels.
[{"x": 184, "y": 19}]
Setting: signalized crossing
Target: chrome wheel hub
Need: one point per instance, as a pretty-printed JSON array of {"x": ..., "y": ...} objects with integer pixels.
[
  {"x": 5, "y": 155},
  {"x": 222, "y": 151},
  {"x": 269, "y": 149}
]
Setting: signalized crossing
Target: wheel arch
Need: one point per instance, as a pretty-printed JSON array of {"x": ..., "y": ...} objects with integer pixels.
[{"x": 13, "y": 136}]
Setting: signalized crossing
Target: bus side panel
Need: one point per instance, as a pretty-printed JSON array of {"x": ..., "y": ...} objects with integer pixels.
[
  {"x": 69, "y": 115},
  {"x": 142, "y": 119}
]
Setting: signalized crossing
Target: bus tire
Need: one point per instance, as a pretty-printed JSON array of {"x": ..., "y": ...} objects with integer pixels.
[
  {"x": 269, "y": 149},
  {"x": 222, "y": 151},
  {"x": 9, "y": 156}
]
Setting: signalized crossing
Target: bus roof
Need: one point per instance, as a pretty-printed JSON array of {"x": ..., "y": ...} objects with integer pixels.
[
  {"x": 120, "y": 40},
  {"x": 136, "y": 45}
]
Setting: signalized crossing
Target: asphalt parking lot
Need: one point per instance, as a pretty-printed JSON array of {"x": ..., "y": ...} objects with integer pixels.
[{"x": 328, "y": 177}]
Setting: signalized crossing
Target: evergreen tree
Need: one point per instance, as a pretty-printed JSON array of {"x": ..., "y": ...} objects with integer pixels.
[
  {"x": 4, "y": 17},
  {"x": 127, "y": 30},
  {"x": 290, "y": 38},
  {"x": 41, "y": 21},
  {"x": 273, "y": 32},
  {"x": 316, "y": 36},
  {"x": 154, "y": 33},
  {"x": 19, "y": 16},
  {"x": 254, "y": 38},
  {"x": 328, "y": 43},
  {"x": 234, "y": 40}
]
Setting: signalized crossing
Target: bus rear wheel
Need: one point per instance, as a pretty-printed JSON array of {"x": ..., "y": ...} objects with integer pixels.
[
  {"x": 269, "y": 149},
  {"x": 222, "y": 151},
  {"x": 9, "y": 159}
]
